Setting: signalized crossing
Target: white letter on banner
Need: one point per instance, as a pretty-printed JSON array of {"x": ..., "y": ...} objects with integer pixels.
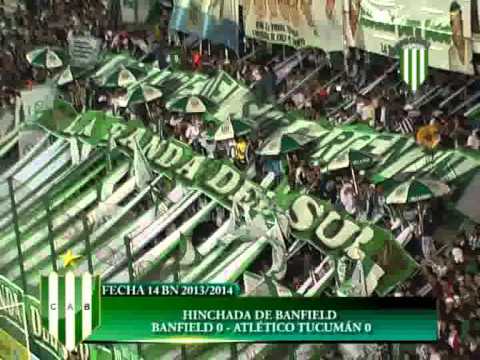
[
  {"x": 154, "y": 147},
  {"x": 225, "y": 181},
  {"x": 354, "y": 251},
  {"x": 380, "y": 145},
  {"x": 345, "y": 233},
  {"x": 190, "y": 169},
  {"x": 171, "y": 157},
  {"x": 249, "y": 194},
  {"x": 304, "y": 211}
]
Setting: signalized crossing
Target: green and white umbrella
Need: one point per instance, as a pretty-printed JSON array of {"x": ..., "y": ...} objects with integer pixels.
[
  {"x": 416, "y": 190},
  {"x": 231, "y": 128},
  {"x": 191, "y": 104},
  {"x": 70, "y": 74},
  {"x": 356, "y": 159},
  {"x": 123, "y": 77},
  {"x": 143, "y": 93},
  {"x": 66, "y": 76},
  {"x": 45, "y": 58},
  {"x": 281, "y": 143}
]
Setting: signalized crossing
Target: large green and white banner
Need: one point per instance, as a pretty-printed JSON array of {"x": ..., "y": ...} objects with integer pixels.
[
  {"x": 378, "y": 25},
  {"x": 306, "y": 23},
  {"x": 312, "y": 219}
]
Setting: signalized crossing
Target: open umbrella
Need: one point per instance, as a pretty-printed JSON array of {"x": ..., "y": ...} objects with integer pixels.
[
  {"x": 388, "y": 184},
  {"x": 66, "y": 76},
  {"x": 191, "y": 104},
  {"x": 281, "y": 143},
  {"x": 352, "y": 158},
  {"x": 124, "y": 76},
  {"x": 416, "y": 190},
  {"x": 45, "y": 58},
  {"x": 143, "y": 93},
  {"x": 231, "y": 128},
  {"x": 69, "y": 74}
]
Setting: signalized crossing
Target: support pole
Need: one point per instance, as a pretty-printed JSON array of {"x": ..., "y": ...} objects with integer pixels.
[
  {"x": 354, "y": 178},
  {"x": 88, "y": 248},
  {"x": 291, "y": 352},
  {"x": 131, "y": 275},
  {"x": 128, "y": 251},
  {"x": 16, "y": 228},
  {"x": 98, "y": 189},
  {"x": 176, "y": 279},
  {"x": 227, "y": 60},
  {"x": 299, "y": 85},
  {"x": 51, "y": 241},
  {"x": 136, "y": 11},
  {"x": 109, "y": 154},
  {"x": 184, "y": 352},
  {"x": 149, "y": 113},
  {"x": 233, "y": 351}
]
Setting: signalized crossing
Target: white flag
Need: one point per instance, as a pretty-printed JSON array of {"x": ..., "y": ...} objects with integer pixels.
[{"x": 142, "y": 171}]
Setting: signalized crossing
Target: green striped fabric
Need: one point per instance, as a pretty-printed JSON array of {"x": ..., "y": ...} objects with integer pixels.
[
  {"x": 414, "y": 65},
  {"x": 70, "y": 306}
]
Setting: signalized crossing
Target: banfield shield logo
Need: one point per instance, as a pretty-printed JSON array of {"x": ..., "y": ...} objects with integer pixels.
[
  {"x": 413, "y": 54},
  {"x": 70, "y": 306}
]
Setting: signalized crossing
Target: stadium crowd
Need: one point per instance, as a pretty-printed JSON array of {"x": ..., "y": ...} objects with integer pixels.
[{"x": 450, "y": 268}]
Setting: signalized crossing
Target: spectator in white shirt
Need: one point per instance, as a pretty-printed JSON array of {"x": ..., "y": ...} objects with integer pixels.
[
  {"x": 347, "y": 197},
  {"x": 192, "y": 134}
]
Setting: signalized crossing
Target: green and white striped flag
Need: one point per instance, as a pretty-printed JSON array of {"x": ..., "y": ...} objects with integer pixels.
[
  {"x": 70, "y": 306},
  {"x": 414, "y": 64}
]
